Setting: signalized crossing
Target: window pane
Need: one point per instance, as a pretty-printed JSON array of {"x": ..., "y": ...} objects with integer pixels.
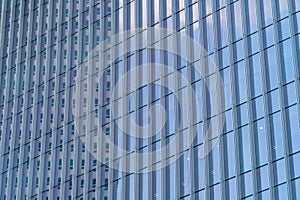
[
  {"x": 293, "y": 128},
  {"x": 271, "y": 70},
  {"x": 237, "y": 20},
  {"x": 276, "y": 128},
  {"x": 285, "y": 29},
  {"x": 229, "y": 155},
  {"x": 214, "y": 165},
  {"x": 269, "y": 34},
  {"x": 242, "y": 114},
  {"x": 295, "y": 162},
  {"x": 231, "y": 189},
  {"x": 279, "y": 171},
  {"x": 244, "y": 145},
  {"x": 241, "y": 82},
  {"x": 261, "y": 140},
  {"x": 252, "y": 16},
  {"x": 255, "y": 70},
  {"x": 290, "y": 94},
  {"x": 267, "y": 4},
  {"x": 263, "y": 178},
  {"x": 288, "y": 67},
  {"x": 283, "y": 8},
  {"x": 274, "y": 101},
  {"x": 281, "y": 191},
  {"x": 246, "y": 181},
  {"x": 223, "y": 27}
]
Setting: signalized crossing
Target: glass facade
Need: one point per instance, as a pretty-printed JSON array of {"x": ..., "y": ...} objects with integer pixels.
[{"x": 45, "y": 44}]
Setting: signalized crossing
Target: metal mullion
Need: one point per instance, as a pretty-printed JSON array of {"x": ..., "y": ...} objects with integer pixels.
[
  {"x": 137, "y": 176},
  {"x": 2, "y": 32},
  {"x": 295, "y": 53},
  {"x": 56, "y": 95},
  {"x": 15, "y": 116},
  {"x": 223, "y": 156},
  {"x": 283, "y": 113},
  {"x": 7, "y": 90},
  {"x": 127, "y": 46},
  {"x": 231, "y": 48},
  {"x": 244, "y": 9},
  {"x": 45, "y": 110},
  {"x": 249, "y": 101},
  {"x": 78, "y": 97},
  {"x": 218, "y": 61},
  {"x": 4, "y": 91},
  {"x": 151, "y": 174},
  {"x": 203, "y": 37},
  {"x": 89, "y": 106},
  {"x": 163, "y": 102},
  {"x": 296, "y": 62},
  {"x": 176, "y": 108},
  {"x": 123, "y": 99},
  {"x": 100, "y": 142},
  {"x": 151, "y": 77},
  {"x": 267, "y": 118},
  {"x": 68, "y": 92},
  {"x": 111, "y": 121},
  {"x": 207, "y": 143},
  {"x": 0, "y": 14},
  {"x": 34, "y": 110},
  {"x": 101, "y": 145},
  {"x": 2, "y": 42},
  {"x": 191, "y": 113},
  {"x": 24, "y": 109},
  {"x": 150, "y": 144},
  {"x": 163, "y": 57}
]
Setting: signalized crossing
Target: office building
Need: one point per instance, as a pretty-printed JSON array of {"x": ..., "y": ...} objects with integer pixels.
[{"x": 49, "y": 51}]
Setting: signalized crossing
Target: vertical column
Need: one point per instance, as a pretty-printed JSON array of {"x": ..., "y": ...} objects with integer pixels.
[
  {"x": 6, "y": 129},
  {"x": 22, "y": 191}
]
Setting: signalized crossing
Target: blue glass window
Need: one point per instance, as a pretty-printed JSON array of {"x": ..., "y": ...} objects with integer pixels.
[
  {"x": 244, "y": 145},
  {"x": 237, "y": 20},
  {"x": 277, "y": 138},
  {"x": 261, "y": 139},
  {"x": 293, "y": 127},
  {"x": 229, "y": 155}
]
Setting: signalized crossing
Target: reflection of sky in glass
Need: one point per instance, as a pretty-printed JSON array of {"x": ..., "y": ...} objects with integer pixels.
[{"x": 261, "y": 97}]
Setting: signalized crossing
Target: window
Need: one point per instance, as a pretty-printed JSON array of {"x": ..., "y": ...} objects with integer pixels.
[
  {"x": 277, "y": 139},
  {"x": 246, "y": 182},
  {"x": 290, "y": 94},
  {"x": 244, "y": 146},
  {"x": 255, "y": 75},
  {"x": 295, "y": 171},
  {"x": 223, "y": 27},
  {"x": 258, "y": 108},
  {"x": 274, "y": 101},
  {"x": 229, "y": 155},
  {"x": 252, "y": 16},
  {"x": 285, "y": 29},
  {"x": 271, "y": 69},
  {"x": 241, "y": 82},
  {"x": 261, "y": 143},
  {"x": 283, "y": 8},
  {"x": 288, "y": 66},
  {"x": 269, "y": 36},
  {"x": 279, "y": 171},
  {"x": 293, "y": 129},
  {"x": 242, "y": 114},
  {"x": 209, "y": 33},
  {"x": 267, "y": 9}
]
